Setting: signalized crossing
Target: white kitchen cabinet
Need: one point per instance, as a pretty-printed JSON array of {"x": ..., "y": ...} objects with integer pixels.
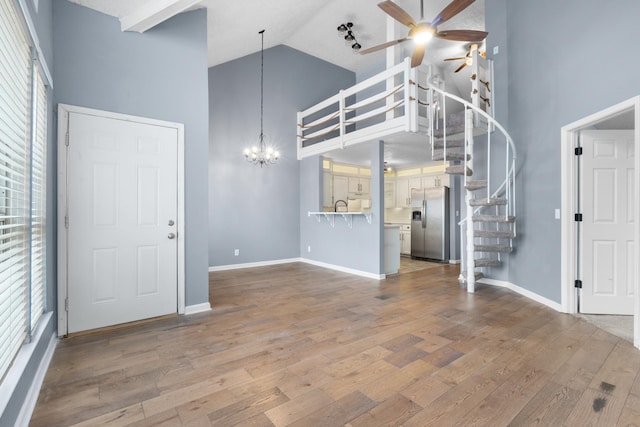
[
  {"x": 431, "y": 181},
  {"x": 402, "y": 193},
  {"x": 414, "y": 183},
  {"x": 389, "y": 194},
  {"x": 359, "y": 186},
  {"x": 327, "y": 190},
  {"x": 403, "y": 190},
  {"x": 405, "y": 240},
  {"x": 340, "y": 188}
]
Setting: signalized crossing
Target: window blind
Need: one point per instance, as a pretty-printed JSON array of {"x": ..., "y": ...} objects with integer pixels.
[
  {"x": 18, "y": 294},
  {"x": 38, "y": 200}
]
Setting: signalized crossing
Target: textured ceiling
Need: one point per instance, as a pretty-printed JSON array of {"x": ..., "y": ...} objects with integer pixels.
[{"x": 309, "y": 26}]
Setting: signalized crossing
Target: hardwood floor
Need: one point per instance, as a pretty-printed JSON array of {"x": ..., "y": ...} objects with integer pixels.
[{"x": 298, "y": 345}]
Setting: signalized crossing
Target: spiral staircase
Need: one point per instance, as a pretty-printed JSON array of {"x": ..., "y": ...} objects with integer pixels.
[
  {"x": 489, "y": 224},
  {"x": 405, "y": 102}
]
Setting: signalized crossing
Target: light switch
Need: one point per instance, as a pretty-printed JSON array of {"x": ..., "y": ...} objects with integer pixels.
[
  {"x": 496, "y": 50},
  {"x": 557, "y": 213}
]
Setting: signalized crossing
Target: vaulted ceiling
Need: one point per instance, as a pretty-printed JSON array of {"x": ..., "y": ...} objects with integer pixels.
[
  {"x": 311, "y": 27},
  {"x": 307, "y": 25}
]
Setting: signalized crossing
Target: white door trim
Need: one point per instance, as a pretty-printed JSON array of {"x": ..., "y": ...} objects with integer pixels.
[
  {"x": 569, "y": 189},
  {"x": 63, "y": 129}
]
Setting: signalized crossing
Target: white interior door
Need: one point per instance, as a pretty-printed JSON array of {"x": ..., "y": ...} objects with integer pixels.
[
  {"x": 122, "y": 210},
  {"x": 607, "y": 239}
]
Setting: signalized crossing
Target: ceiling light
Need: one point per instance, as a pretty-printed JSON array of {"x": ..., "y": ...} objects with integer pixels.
[
  {"x": 349, "y": 36},
  {"x": 261, "y": 154},
  {"x": 421, "y": 33}
]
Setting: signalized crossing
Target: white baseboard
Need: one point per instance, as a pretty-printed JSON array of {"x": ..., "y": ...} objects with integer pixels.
[
  {"x": 305, "y": 260},
  {"x": 253, "y": 264},
  {"x": 30, "y": 400},
  {"x": 197, "y": 308},
  {"x": 454, "y": 261},
  {"x": 522, "y": 291},
  {"x": 344, "y": 269}
]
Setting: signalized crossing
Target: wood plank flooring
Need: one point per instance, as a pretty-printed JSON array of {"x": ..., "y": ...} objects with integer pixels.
[{"x": 298, "y": 345}]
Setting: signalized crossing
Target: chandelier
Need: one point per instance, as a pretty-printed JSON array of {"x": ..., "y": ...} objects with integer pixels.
[{"x": 261, "y": 154}]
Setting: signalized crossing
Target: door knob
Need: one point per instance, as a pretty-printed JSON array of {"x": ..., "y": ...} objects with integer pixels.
[
  {"x": 171, "y": 236},
  {"x": 171, "y": 222}
]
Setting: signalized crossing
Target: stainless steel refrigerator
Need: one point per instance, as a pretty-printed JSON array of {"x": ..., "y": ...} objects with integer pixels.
[{"x": 430, "y": 223}]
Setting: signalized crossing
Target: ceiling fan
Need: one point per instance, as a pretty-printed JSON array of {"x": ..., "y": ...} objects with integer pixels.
[
  {"x": 468, "y": 58},
  {"x": 421, "y": 32}
]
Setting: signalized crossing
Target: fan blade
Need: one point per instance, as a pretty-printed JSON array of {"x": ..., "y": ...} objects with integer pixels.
[
  {"x": 456, "y": 59},
  {"x": 382, "y": 46},
  {"x": 464, "y": 64},
  {"x": 454, "y": 8},
  {"x": 418, "y": 55},
  {"x": 397, "y": 13},
  {"x": 462, "y": 35}
]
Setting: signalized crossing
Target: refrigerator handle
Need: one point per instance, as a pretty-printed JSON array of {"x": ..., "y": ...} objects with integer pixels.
[{"x": 424, "y": 214}]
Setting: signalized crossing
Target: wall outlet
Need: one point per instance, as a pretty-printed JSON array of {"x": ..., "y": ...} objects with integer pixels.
[
  {"x": 309, "y": 248},
  {"x": 236, "y": 252}
]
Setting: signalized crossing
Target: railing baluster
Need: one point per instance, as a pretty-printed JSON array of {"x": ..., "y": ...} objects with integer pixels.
[{"x": 489, "y": 160}]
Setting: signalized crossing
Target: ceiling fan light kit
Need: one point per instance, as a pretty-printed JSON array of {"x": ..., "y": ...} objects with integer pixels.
[
  {"x": 421, "y": 32},
  {"x": 467, "y": 58}
]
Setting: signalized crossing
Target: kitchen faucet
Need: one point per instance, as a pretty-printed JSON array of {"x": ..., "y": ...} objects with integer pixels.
[{"x": 335, "y": 206}]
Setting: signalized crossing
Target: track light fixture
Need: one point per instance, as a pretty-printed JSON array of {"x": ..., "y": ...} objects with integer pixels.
[{"x": 349, "y": 37}]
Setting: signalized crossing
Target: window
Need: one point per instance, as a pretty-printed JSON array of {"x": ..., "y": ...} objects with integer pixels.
[{"x": 23, "y": 125}]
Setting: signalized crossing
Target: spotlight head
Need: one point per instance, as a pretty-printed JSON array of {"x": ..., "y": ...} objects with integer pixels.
[
  {"x": 342, "y": 28},
  {"x": 349, "y": 37},
  {"x": 356, "y": 47}
]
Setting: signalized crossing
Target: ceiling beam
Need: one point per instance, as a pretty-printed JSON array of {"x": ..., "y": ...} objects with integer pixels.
[{"x": 153, "y": 13}]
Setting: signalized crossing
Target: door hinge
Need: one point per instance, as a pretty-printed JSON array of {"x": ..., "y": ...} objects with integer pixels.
[
  {"x": 66, "y": 221},
  {"x": 578, "y": 284},
  {"x": 66, "y": 139},
  {"x": 578, "y": 151},
  {"x": 66, "y": 304},
  {"x": 578, "y": 217}
]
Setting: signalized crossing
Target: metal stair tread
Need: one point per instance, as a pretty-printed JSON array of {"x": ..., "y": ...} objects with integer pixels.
[
  {"x": 458, "y": 170},
  {"x": 456, "y": 143},
  {"x": 493, "y": 248},
  {"x": 454, "y": 154},
  {"x": 497, "y": 234},
  {"x": 476, "y": 185},
  {"x": 493, "y": 218},
  {"x": 486, "y": 262},
  {"x": 483, "y": 201}
]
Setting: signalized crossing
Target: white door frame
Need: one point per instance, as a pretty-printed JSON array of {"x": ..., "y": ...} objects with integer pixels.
[
  {"x": 569, "y": 190},
  {"x": 63, "y": 132}
]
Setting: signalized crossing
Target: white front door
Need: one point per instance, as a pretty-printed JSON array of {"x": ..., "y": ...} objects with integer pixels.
[
  {"x": 607, "y": 238},
  {"x": 122, "y": 212}
]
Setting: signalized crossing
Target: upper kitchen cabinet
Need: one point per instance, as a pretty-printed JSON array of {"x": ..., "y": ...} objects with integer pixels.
[
  {"x": 359, "y": 186},
  {"x": 403, "y": 190},
  {"x": 431, "y": 181}
]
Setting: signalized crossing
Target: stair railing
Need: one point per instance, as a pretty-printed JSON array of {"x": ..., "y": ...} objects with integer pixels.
[{"x": 474, "y": 115}]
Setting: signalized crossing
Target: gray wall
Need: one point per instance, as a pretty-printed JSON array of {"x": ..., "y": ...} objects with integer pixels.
[
  {"x": 253, "y": 209},
  {"x": 561, "y": 67},
  {"x": 361, "y": 247},
  {"x": 161, "y": 74}
]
